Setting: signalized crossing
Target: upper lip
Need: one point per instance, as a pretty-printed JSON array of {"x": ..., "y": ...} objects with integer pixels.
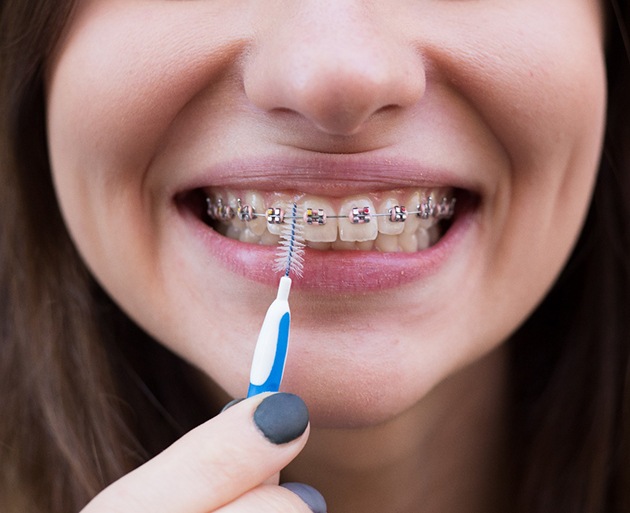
[{"x": 329, "y": 175}]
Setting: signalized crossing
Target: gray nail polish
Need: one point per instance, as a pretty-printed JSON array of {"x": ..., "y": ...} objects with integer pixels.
[
  {"x": 281, "y": 417},
  {"x": 309, "y": 495},
  {"x": 231, "y": 403}
]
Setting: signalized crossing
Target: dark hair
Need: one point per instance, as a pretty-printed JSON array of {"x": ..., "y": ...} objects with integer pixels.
[
  {"x": 76, "y": 395},
  {"x": 79, "y": 382},
  {"x": 570, "y": 360}
]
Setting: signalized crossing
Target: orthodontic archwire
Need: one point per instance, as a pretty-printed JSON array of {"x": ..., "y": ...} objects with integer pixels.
[
  {"x": 218, "y": 210},
  {"x": 272, "y": 345}
]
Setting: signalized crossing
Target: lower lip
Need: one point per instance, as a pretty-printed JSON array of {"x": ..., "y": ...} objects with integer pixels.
[{"x": 333, "y": 271}]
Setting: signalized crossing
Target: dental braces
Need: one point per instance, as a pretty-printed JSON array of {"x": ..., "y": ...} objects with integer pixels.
[{"x": 220, "y": 211}]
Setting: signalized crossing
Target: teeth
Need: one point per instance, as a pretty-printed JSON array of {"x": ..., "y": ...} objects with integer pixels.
[
  {"x": 343, "y": 245},
  {"x": 281, "y": 204},
  {"x": 359, "y": 226},
  {"x": 246, "y": 235},
  {"x": 424, "y": 239},
  {"x": 316, "y": 232},
  {"x": 387, "y": 243},
  {"x": 414, "y": 221},
  {"x": 403, "y": 221},
  {"x": 269, "y": 239},
  {"x": 434, "y": 234},
  {"x": 322, "y": 246},
  {"x": 408, "y": 242},
  {"x": 385, "y": 224},
  {"x": 255, "y": 201},
  {"x": 232, "y": 232},
  {"x": 425, "y": 205}
]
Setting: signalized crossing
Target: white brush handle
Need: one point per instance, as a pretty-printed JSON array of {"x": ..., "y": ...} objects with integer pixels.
[{"x": 272, "y": 345}]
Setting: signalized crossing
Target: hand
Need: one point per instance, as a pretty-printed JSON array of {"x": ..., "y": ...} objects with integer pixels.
[{"x": 229, "y": 464}]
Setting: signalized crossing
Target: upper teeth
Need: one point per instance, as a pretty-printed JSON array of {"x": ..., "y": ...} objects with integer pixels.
[
  {"x": 254, "y": 216},
  {"x": 220, "y": 211}
]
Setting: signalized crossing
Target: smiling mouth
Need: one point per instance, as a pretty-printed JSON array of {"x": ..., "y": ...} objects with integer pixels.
[{"x": 402, "y": 220}]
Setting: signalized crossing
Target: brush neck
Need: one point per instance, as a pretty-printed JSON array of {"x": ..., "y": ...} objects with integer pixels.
[{"x": 284, "y": 288}]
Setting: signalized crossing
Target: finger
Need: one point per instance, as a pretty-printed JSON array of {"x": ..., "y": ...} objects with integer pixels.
[
  {"x": 275, "y": 478},
  {"x": 314, "y": 500},
  {"x": 272, "y": 480},
  {"x": 215, "y": 463},
  {"x": 278, "y": 499}
]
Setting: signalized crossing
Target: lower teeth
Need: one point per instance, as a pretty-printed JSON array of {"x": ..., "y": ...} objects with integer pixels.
[{"x": 412, "y": 242}]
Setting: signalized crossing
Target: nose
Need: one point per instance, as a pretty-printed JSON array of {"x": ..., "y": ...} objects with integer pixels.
[{"x": 333, "y": 63}]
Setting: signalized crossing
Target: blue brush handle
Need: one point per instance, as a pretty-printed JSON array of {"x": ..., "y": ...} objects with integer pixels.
[{"x": 273, "y": 343}]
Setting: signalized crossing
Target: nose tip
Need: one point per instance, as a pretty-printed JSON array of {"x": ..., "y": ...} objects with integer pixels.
[
  {"x": 339, "y": 97},
  {"x": 338, "y": 79}
]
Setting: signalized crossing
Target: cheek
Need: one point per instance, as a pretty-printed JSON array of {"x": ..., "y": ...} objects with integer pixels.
[
  {"x": 122, "y": 75},
  {"x": 538, "y": 77}
]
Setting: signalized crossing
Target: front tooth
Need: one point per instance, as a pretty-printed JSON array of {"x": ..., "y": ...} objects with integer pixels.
[
  {"x": 385, "y": 225},
  {"x": 408, "y": 242},
  {"x": 258, "y": 225},
  {"x": 269, "y": 239},
  {"x": 340, "y": 245},
  {"x": 320, "y": 232},
  {"x": 359, "y": 232},
  {"x": 320, "y": 246},
  {"x": 386, "y": 243},
  {"x": 283, "y": 201},
  {"x": 413, "y": 220}
]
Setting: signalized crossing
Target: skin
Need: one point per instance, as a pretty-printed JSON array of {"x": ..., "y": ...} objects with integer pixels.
[{"x": 507, "y": 96}]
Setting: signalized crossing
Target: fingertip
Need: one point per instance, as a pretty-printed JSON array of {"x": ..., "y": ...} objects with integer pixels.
[
  {"x": 281, "y": 417},
  {"x": 311, "y": 497}
]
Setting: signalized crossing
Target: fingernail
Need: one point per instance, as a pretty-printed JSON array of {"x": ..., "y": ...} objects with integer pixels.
[
  {"x": 231, "y": 403},
  {"x": 309, "y": 495},
  {"x": 281, "y": 417}
]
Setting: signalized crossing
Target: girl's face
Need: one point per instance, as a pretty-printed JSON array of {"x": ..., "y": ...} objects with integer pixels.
[{"x": 155, "y": 105}]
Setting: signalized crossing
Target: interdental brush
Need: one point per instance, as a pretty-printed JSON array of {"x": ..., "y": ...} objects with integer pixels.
[{"x": 273, "y": 340}]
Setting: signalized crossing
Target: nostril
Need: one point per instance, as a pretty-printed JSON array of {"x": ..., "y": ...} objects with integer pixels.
[{"x": 387, "y": 108}]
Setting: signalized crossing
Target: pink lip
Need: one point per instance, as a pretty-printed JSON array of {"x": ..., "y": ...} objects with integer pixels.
[
  {"x": 329, "y": 175},
  {"x": 329, "y": 271},
  {"x": 332, "y": 271}
]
